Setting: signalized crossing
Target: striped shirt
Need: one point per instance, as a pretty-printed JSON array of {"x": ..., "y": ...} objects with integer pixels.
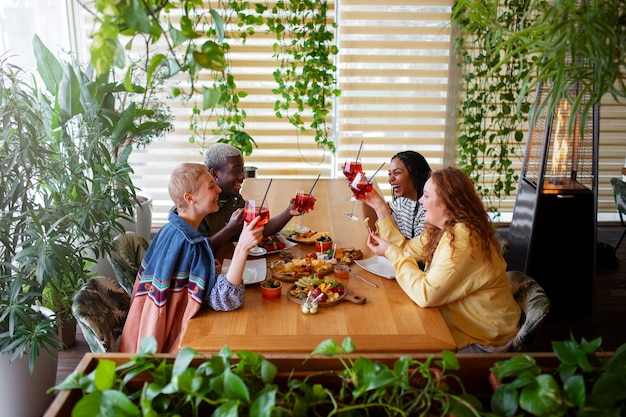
[{"x": 409, "y": 216}]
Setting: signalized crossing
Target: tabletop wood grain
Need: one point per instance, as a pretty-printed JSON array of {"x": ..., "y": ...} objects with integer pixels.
[{"x": 388, "y": 322}]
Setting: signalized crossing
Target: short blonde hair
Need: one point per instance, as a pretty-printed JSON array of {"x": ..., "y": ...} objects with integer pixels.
[{"x": 184, "y": 179}]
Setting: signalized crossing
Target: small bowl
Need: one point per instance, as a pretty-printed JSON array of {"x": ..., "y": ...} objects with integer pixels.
[
  {"x": 323, "y": 246},
  {"x": 271, "y": 289}
]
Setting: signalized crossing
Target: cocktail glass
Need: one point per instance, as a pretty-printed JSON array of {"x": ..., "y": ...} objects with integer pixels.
[
  {"x": 360, "y": 185},
  {"x": 350, "y": 169},
  {"x": 303, "y": 202},
  {"x": 250, "y": 212}
]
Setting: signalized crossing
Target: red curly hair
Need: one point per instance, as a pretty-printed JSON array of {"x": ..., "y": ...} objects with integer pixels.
[{"x": 455, "y": 191}]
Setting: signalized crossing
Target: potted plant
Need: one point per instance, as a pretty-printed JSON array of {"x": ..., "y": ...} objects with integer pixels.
[
  {"x": 62, "y": 190},
  {"x": 246, "y": 383},
  {"x": 585, "y": 383},
  {"x": 28, "y": 338}
]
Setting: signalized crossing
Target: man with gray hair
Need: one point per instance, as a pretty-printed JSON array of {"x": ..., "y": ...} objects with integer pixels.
[{"x": 225, "y": 163}]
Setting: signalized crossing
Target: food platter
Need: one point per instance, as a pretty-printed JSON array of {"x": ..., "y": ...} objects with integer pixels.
[
  {"x": 292, "y": 270},
  {"x": 308, "y": 237},
  {"x": 344, "y": 296}
]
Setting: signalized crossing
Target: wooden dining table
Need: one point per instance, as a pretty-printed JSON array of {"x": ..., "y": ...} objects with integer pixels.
[{"x": 387, "y": 323}]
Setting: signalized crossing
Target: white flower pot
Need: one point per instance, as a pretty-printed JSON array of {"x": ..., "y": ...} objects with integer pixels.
[
  {"x": 143, "y": 216},
  {"x": 23, "y": 394}
]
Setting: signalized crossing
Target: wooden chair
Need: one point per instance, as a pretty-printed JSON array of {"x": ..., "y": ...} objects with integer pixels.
[
  {"x": 100, "y": 308},
  {"x": 619, "y": 193},
  {"x": 126, "y": 256},
  {"x": 535, "y": 306}
]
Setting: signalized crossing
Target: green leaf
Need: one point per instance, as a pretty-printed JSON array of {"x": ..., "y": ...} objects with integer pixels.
[
  {"x": 228, "y": 409},
  {"x": 48, "y": 67},
  {"x": 183, "y": 360},
  {"x": 105, "y": 375},
  {"x": 327, "y": 347},
  {"x": 504, "y": 402},
  {"x": 137, "y": 18},
  {"x": 542, "y": 399},
  {"x": 263, "y": 405},
  {"x": 574, "y": 390},
  {"x": 211, "y": 56},
  {"x": 236, "y": 388},
  {"x": 218, "y": 25}
]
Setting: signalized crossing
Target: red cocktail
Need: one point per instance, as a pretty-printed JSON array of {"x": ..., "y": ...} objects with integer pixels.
[
  {"x": 360, "y": 185},
  {"x": 304, "y": 202},
  {"x": 250, "y": 212},
  {"x": 350, "y": 169}
]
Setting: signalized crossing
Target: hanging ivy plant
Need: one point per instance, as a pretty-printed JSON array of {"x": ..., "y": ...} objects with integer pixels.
[
  {"x": 196, "y": 40},
  {"x": 306, "y": 75},
  {"x": 493, "y": 112}
]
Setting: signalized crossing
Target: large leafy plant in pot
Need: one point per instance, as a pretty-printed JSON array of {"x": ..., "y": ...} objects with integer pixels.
[
  {"x": 62, "y": 189},
  {"x": 100, "y": 121}
]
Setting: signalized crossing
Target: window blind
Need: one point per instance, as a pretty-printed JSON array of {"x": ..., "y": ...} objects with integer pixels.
[{"x": 396, "y": 74}]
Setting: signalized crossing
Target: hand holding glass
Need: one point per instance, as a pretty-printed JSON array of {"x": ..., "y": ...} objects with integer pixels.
[
  {"x": 303, "y": 202},
  {"x": 360, "y": 185},
  {"x": 350, "y": 169},
  {"x": 250, "y": 212}
]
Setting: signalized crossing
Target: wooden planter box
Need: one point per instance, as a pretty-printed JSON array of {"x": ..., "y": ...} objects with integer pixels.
[{"x": 474, "y": 372}]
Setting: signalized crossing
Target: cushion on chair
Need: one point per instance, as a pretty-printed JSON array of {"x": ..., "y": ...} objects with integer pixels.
[
  {"x": 126, "y": 256},
  {"x": 100, "y": 308},
  {"x": 535, "y": 306}
]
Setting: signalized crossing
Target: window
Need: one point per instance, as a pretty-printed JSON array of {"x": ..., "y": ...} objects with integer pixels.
[{"x": 396, "y": 74}]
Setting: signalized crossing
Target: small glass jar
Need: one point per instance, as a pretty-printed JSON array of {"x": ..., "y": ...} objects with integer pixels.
[
  {"x": 341, "y": 271},
  {"x": 309, "y": 306}
]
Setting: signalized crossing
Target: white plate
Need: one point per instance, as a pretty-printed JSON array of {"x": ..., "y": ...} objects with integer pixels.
[
  {"x": 288, "y": 244},
  {"x": 378, "y": 265},
  {"x": 254, "y": 271}
]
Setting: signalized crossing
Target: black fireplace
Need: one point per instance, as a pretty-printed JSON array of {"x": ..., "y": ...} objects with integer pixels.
[{"x": 553, "y": 229}]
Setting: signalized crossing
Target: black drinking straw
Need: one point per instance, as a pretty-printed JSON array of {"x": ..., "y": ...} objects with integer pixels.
[
  {"x": 265, "y": 196},
  {"x": 359, "y": 152},
  {"x": 318, "y": 177},
  {"x": 372, "y": 177}
]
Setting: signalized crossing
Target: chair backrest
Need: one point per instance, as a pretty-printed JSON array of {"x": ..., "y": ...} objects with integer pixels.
[
  {"x": 126, "y": 256},
  {"x": 100, "y": 308},
  {"x": 535, "y": 306}
]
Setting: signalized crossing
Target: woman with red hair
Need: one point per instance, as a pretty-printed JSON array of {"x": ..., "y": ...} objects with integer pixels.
[{"x": 464, "y": 274}]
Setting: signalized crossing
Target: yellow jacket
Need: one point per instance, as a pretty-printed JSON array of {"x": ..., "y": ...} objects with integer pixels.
[{"x": 476, "y": 301}]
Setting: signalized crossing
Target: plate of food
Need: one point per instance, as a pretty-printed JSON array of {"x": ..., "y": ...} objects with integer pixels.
[
  {"x": 254, "y": 271},
  {"x": 348, "y": 255},
  {"x": 328, "y": 292},
  {"x": 276, "y": 243},
  {"x": 378, "y": 265},
  {"x": 272, "y": 244},
  {"x": 290, "y": 270},
  {"x": 309, "y": 237}
]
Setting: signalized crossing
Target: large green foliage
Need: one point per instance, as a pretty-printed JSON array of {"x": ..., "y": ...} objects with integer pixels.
[
  {"x": 247, "y": 384},
  {"x": 65, "y": 185}
]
